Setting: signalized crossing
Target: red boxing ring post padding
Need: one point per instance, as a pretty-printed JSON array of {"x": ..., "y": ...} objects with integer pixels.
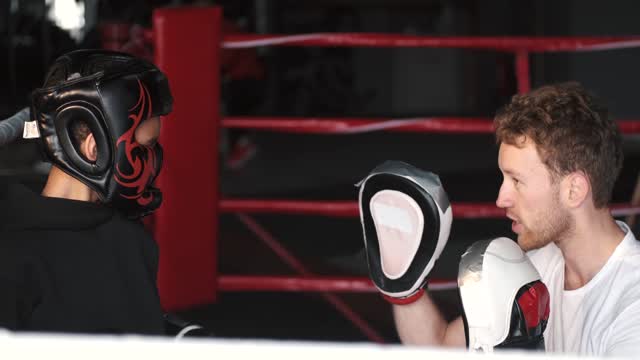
[{"x": 186, "y": 226}]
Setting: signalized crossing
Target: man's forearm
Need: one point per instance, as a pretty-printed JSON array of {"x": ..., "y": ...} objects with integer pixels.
[{"x": 421, "y": 323}]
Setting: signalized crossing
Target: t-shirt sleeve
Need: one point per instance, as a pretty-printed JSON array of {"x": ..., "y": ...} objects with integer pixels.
[{"x": 624, "y": 334}]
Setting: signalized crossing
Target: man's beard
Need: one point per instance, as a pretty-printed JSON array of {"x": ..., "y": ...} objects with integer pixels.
[{"x": 550, "y": 226}]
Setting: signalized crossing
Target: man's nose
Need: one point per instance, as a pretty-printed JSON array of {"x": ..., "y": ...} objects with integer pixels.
[{"x": 504, "y": 199}]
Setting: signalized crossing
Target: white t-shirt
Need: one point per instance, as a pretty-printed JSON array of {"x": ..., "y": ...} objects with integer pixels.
[{"x": 602, "y": 317}]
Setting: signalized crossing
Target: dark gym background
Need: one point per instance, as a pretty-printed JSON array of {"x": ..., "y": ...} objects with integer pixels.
[{"x": 363, "y": 82}]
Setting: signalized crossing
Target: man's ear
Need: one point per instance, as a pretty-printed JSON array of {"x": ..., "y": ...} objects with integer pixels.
[
  {"x": 577, "y": 188},
  {"x": 89, "y": 148}
]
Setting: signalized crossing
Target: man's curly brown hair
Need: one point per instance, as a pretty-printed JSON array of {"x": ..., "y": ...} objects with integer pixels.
[{"x": 572, "y": 131}]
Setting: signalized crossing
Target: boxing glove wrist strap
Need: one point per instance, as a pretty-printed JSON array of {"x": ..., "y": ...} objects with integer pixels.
[{"x": 405, "y": 300}]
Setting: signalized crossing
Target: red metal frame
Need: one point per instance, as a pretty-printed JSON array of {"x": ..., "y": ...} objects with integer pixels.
[
  {"x": 186, "y": 225},
  {"x": 523, "y": 77}
]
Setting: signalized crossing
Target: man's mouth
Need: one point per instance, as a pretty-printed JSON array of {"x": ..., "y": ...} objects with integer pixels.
[{"x": 516, "y": 225}]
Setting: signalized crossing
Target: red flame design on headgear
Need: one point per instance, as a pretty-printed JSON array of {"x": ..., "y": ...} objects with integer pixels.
[{"x": 143, "y": 167}]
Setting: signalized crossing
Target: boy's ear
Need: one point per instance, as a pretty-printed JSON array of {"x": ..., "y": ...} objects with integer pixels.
[{"x": 89, "y": 148}]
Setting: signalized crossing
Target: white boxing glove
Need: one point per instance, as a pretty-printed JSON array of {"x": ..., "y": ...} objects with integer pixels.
[{"x": 505, "y": 303}]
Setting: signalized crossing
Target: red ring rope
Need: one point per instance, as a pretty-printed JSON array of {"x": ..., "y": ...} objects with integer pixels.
[
  {"x": 302, "y": 125},
  {"x": 512, "y": 44},
  {"x": 465, "y": 210}
]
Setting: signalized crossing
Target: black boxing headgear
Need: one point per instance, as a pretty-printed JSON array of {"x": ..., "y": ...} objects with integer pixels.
[{"x": 112, "y": 93}]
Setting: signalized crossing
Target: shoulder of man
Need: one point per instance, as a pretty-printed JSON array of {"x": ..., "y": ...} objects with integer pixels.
[{"x": 622, "y": 336}]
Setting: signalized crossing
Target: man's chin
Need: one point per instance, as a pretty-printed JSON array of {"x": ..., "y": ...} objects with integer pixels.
[
  {"x": 527, "y": 243},
  {"x": 526, "y": 247}
]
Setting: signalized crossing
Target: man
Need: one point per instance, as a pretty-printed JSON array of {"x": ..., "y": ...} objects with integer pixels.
[
  {"x": 76, "y": 258},
  {"x": 560, "y": 155}
]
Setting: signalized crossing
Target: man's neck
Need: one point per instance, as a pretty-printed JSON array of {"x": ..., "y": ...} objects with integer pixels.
[
  {"x": 589, "y": 247},
  {"x": 61, "y": 185}
]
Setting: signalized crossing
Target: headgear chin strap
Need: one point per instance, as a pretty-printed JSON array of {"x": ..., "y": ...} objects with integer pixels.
[
  {"x": 112, "y": 93},
  {"x": 505, "y": 303}
]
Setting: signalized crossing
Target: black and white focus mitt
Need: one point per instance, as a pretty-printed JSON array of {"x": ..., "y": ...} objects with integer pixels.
[{"x": 406, "y": 218}]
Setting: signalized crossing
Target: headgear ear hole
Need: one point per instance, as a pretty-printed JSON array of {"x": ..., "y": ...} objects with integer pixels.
[{"x": 81, "y": 111}]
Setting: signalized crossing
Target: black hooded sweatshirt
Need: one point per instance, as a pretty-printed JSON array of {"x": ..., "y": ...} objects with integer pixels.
[{"x": 74, "y": 266}]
